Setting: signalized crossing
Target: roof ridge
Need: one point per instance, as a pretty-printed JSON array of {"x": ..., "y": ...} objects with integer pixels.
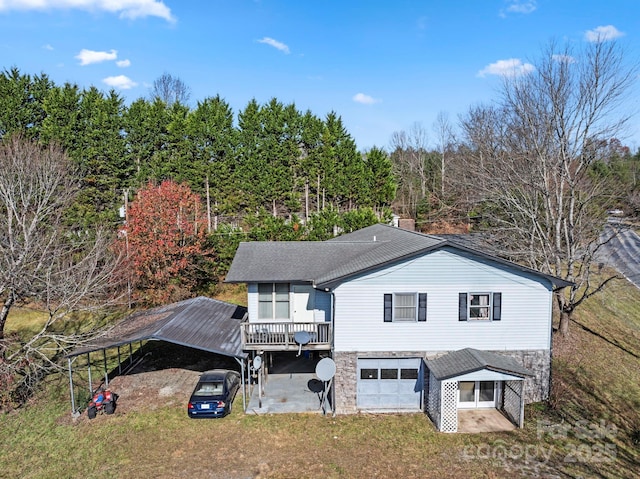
[{"x": 478, "y": 356}]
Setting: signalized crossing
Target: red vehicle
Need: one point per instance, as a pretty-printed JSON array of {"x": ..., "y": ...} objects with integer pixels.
[{"x": 102, "y": 400}]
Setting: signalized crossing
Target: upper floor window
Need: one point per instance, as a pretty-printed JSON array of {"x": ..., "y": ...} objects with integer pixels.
[
  {"x": 480, "y": 306},
  {"x": 273, "y": 301},
  {"x": 405, "y": 307}
]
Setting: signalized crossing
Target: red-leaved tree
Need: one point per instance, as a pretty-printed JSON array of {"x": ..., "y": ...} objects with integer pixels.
[{"x": 165, "y": 238}]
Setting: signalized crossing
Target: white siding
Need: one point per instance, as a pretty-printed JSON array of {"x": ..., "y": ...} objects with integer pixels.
[
  {"x": 313, "y": 305},
  {"x": 252, "y": 302},
  {"x": 443, "y": 274}
]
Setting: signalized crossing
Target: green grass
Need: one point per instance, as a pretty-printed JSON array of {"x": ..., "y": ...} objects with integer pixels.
[
  {"x": 24, "y": 321},
  {"x": 596, "y": 378}
]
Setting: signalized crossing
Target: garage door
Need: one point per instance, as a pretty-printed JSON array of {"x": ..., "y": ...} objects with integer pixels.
[{"x": 389, "y": 384}]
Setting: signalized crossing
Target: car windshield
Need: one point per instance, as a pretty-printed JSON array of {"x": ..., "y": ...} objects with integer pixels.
[{"x": 210, "y": 388}]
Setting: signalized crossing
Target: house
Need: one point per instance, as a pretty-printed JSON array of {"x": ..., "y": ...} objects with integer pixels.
[{"x": 413, "y": 322}]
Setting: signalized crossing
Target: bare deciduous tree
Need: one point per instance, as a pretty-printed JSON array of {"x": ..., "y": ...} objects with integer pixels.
[
  {"x": 42, "y": 261},
  {"x": 170, "y": 90},
  {"x": 444, "y": 133},
  {"x": 530, "y": 161},
  {"x": 411, "y": 160}
]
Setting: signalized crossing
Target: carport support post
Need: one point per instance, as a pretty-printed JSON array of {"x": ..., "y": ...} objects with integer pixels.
[
  {"x": 106, "y": 373},
  {"x": 244, "y": 396},
  {"x": 89, "y": 372},
  {"x": 244, "y": 391},
  {"x": 73, "y": 399}
]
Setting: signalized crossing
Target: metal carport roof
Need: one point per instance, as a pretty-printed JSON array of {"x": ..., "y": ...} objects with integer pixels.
[{"x": 201, "y": 323}]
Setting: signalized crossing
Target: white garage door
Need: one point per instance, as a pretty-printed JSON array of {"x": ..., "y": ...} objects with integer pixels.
[{"x": 389, "y": 384}]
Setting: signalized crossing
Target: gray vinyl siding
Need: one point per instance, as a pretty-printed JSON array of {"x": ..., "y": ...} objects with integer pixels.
[{"x": 443, "y": 274}]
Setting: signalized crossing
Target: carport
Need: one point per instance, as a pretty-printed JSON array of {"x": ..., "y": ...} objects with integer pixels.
[{"x": 201, "y": 323}]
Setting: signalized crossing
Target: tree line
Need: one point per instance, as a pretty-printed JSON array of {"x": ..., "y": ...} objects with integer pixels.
[{"x": 268, "y": 156}]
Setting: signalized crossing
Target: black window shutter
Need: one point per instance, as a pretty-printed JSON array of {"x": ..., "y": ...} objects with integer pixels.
[
  {"x": 497, "y": 306},
  {"x": 422, "y": 306},
  {"x": 388, "y": 308},
  {"x": 462, "y": 307}
]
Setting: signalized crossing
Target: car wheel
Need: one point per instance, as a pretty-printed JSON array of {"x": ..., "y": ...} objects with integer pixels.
[
  {"x": 109, "y": 407},
  {"x": 92, "y": 412}
]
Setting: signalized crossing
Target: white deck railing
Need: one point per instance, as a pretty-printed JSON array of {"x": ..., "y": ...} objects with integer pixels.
[{"x": 274, "y": 336}]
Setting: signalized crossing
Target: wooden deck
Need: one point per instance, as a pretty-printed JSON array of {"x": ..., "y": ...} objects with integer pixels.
[{"x": 279, "y": 336}]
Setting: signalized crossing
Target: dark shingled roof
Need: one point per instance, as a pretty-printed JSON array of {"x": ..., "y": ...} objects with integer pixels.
[
  {"x": 201, "y": 323},
  {"x": 325, "y": 263},
  {"x": 469, "y": 360}
]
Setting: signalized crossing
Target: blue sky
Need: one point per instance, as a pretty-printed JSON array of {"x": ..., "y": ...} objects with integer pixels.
[{"x": 381, "y": 65}]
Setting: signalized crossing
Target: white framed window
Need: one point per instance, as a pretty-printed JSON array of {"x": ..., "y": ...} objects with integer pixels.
[
  {"x": 405, "y": 307},
  {"x": 273, "y": 301},
  {"x": 480, "y": 306}
]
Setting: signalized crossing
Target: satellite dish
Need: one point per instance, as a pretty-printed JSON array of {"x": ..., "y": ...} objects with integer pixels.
[
  {"x": 315, "y": 386},
  {"x": 257, "y": 362},
  {"x": 326, "y": 369},
  {"x": 301, "y": 337}
]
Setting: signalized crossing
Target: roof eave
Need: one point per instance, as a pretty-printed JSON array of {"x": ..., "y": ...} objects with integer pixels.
[
  {"x": 557, "y": 283},
  {"x": 331, "y": 282}
]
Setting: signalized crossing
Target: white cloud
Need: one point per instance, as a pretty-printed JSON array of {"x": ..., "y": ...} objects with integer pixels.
[
  {"x": 275, "y": 44},
  {"x": 512, "y": 67},
  {"x": 87, "y": 57},
  {"x": 47, "y": 47},
  {"x": 602, "y": 34},
  {"x": 123, "y": 63},
  {"x": 121, "y": 81},
  {"x": 563, "y": 58},
  {"x": 364, "y": 99},
  {"x": 131, "y": 9},
  {"x": 525, "y": 7}
]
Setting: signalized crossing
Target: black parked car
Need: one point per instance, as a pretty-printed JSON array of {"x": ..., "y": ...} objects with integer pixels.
[{"x": 214, "y": 394}]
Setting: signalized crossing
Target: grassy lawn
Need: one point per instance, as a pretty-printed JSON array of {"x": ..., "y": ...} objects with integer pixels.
[{"x": 591, "y": 431}]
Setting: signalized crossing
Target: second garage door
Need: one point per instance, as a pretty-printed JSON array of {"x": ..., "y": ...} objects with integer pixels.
[{"x": 389, "y": 384}]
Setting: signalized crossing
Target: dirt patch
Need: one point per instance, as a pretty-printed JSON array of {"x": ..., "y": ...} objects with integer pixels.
[{"x": 163, "y": 375}]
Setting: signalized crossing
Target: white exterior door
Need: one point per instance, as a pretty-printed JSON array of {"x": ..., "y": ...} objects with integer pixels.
[
  {"x": 477, "y": 394},
  {"x": 389, "y": 384},
  {"x": 303, "y": 296}
]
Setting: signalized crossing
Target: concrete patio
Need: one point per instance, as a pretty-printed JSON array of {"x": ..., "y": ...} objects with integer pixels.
[
  {"x": 286, "y": 387},
  {"x": 483, "y": 420},
  {"x": 285, "y": 393}
]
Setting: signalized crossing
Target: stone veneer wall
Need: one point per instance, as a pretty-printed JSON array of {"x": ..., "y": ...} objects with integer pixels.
[
  {"x": 539, "y": 361},
  {"x": 345, "y": 381}
]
